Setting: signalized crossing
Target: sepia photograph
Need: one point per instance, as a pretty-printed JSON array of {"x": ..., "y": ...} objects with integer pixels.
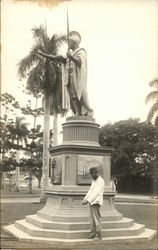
[{"x": 79, "y": 125}]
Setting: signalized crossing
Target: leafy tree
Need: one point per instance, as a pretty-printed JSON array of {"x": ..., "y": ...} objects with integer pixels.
[
  {"x": 37, "y": 169},
  {"x": 9, "y": 106},
  {"x": 34, "y": 148},
  {"x": 153, "y": 97},
  {"x": 36, "y": 112},
  {"x": 34, "y": 162},
  {"x": 5, "y": 143},
  {"x": 9, "y": 102},
  {"x": 19, "y": 133},
  {"x": 33, "y": 167},
  {"x": 134, "y": 144},
  {"x": 8, "y": 164}
]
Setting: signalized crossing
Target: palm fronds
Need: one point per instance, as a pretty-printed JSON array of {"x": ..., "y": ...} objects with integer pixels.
[
  {"x": 40, "y": 36},
  {"x": 44, "y": 75},
  {"x": 42, "y": 42},
  {"x": 34, "y": 79},
  {"x": 29, "y": 61},
  {"x": 154, "y": 83},
  {"x": 35, "y": 48},
  {"x": 153, "y": 111},
  {"x": 152, "y": 96}
]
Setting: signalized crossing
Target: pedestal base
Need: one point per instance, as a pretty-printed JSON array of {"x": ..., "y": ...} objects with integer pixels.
[
  {"x": 57, "y": 222},
  {"x": 64, "y": 218}
]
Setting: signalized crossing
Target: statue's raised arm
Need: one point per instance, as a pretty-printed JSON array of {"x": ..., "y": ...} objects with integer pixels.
[{"x": 52, "y": 57}]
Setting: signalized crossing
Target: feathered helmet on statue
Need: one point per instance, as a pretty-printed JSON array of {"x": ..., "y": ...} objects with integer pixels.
[{"x": 75, "y": 36}]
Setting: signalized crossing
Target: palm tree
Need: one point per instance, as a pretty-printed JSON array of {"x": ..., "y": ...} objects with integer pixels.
[
  {"x": 44, "y": 76},
  {"x": 153, "y": 97}
]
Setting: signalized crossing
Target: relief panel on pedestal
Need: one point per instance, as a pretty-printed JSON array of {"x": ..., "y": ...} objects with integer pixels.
[{"x": 85, "y": 162}]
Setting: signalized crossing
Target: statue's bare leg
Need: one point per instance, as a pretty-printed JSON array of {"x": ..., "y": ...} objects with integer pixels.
[{"x": 77, "y": 106}]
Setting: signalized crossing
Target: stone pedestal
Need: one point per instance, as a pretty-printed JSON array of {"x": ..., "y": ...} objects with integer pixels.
[
  {"x": 79, "y": 151},
  {"x": 63, "y": 217},
  {"x": 81, "y": 131}
]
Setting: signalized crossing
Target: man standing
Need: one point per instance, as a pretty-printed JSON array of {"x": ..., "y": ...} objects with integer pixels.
[{"x": 95, "y": 199}]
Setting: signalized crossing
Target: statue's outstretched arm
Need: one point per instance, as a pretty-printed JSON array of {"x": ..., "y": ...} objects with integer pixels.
[
  {"x": 75, "y": 60},
  {"x": 52, "y": 57}
]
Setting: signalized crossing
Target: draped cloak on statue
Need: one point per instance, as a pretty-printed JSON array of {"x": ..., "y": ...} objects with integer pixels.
[{"x": 74, "y": 81}]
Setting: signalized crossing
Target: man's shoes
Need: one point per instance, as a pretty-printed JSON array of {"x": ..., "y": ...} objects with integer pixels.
[
  {"x": 91, "y": 236},
  {"x": 98, "y": 237}
]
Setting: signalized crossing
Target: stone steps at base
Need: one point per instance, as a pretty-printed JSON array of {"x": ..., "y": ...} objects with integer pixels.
[
  {"x": 33, "y": 230},
  {"x": 70, "y": 217},
  {"x": 144, "y": 237},
  {"x": 47, "y": 224}
]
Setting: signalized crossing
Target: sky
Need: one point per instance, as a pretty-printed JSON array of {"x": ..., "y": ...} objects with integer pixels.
[{"x": 121, "y": 40}]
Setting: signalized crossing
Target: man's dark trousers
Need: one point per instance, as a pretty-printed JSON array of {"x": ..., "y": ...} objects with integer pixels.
[{"x": 95, "y": 220}]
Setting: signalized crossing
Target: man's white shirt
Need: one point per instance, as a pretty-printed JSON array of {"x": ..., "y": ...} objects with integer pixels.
[{"x": 95, "y": 193}]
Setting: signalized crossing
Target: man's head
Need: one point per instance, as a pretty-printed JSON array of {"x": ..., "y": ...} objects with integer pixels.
[
  {"x": 74, "y": 39},
  {"x": 94, "y": 173}
]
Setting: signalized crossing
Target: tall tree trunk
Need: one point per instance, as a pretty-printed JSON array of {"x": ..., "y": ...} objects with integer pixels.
[
  {"x": 2, "y": 175},
  {"x": 17, "y": 184},
  {"x": 30, "y": 182},
  {"x": 46, "y": 137},
  {"x": 2, "y": 179},
  {"x": 39, "y": 183},
  {"x": 55, "y": 129},
  {"x": 33, "y": 138},
  {"x": 9, "y": 179}
]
